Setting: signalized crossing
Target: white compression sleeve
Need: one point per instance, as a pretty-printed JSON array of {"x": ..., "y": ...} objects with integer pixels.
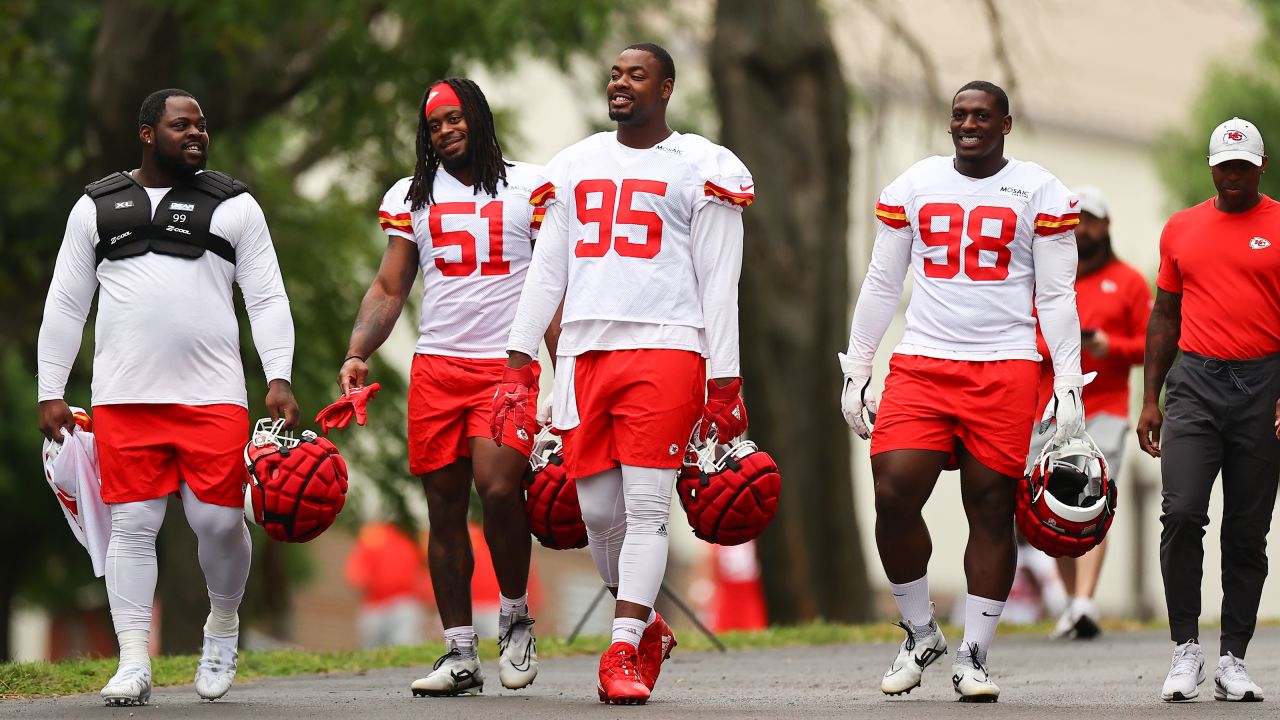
[
  {"x": 717, "y": 262},
  {"x": 225, "y": 551},
  {"x": 643, "y": 562},
  {"x": 604, "y": 514},
  {"x": 66, "y": 307},
  {"x": 258, "y": 275},
  {"x": 544, "y": 285},
  {"x": 879, "y": 297},
  {"x": 1055, "y": 265},
  {"x": 131, "y": 562}
]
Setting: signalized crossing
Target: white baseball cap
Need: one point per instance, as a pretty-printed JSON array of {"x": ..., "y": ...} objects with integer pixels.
[
  {"x": 1092, "y": 201},
  {"x": 1236, "y": 139}
]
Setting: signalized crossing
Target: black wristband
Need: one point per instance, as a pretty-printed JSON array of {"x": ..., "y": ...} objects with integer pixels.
[{"x": 345, "y": 359}]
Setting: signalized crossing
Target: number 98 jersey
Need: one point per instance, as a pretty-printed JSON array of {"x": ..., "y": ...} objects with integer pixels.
[
  {"x": 971, "y": 259},
  {"x": 629, "y": 215},
  {"x": 474, "y": 251}
]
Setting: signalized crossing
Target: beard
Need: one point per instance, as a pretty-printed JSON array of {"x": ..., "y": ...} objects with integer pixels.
[
  {"x": 1089, "y": 252},
  {"x": 177, "y": 167},
  {"x": 458, "y": 162}
]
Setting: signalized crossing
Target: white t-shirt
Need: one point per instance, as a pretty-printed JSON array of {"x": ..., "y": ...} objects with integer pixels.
[
  {"x": 474, "y": 251},
  {"x": 643, "y": 245},
  {"x": 979, "y": 252},
  {"x": 166, "y": 329}
]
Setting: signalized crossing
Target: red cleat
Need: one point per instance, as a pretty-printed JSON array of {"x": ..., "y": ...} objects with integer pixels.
[
  {"x": 619, "y": 676},
  {"x": 655, "y": 646}
]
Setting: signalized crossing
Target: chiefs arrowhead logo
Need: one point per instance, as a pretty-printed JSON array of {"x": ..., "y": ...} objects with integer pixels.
[
  {"x": 1232, "y": 137},
  {"x": 1259, "y": 243}
]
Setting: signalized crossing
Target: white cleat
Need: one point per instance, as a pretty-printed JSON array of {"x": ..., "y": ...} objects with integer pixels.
[
  {"x": 131, "y": 685},
  {"x": 1231, "y": 681},
  {"x": 923, "y": 646},
  {"x": 971, "y": 679},
  {"x": 217, "y": 667},
  {"x": 452, "y": 675},
  {"x": 518, "y": 663},
  {"x": 1186, "y": 672}
]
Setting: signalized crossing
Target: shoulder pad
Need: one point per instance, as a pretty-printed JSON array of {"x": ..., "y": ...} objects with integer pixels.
[
  {"x": 218, "y": 184},
  {"x": 114, "y": 182}
]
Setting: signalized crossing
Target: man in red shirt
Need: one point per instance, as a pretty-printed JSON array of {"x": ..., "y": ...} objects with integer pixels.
[
  {"x": 1113, "y": 300},
  {"x": 1218, "y": 301}
]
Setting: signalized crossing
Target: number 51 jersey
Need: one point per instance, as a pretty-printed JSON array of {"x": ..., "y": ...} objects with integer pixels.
[
  {"x": 971, "y": 261},
  {"x": 629, "y": 215},
  {"x": 474, "y": 251}
]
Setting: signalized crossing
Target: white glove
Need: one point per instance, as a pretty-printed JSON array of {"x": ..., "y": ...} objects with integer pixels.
[
  {"x": 856, "y": 396},
  {"x": 1066, "y": 408}
]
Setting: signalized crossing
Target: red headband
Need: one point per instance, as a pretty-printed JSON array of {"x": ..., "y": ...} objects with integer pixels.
[{"x": 440, "y": 95}]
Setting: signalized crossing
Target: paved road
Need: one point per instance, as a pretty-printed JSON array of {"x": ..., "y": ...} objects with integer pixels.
[{"x": 1118, "y": 675}]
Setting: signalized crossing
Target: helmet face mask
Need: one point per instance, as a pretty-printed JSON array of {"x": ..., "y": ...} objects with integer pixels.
[
  {"x": 551, "y": 497},
  {"x": 296, "y": 486},
  {"x": 1066, "y": 503}
]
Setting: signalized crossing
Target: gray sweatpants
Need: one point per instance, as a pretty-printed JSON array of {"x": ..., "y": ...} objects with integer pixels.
[{"x": 1219, "y": 416}]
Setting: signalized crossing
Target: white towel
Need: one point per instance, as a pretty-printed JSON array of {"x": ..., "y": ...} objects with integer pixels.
[{"x": 71, "y": 469}]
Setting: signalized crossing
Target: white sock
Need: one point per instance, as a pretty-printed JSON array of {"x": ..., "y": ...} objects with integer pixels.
[
  {"x": 1084, "y": 606},
  {"x": 517, "y": 607},
  {"x": 463, "y": 638},
  {"x": 135, "y": 647},
  {"x": 913, "y": 601},
  {"x": 222, "y": 622},
  {"x": 981, "y": 615},
  {"x": 628, "y": 630}
]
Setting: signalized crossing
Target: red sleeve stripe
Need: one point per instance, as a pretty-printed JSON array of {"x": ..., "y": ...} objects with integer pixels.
[
  {"x": 895, "y": 216},
  {"x": 741, "y": 199},
  {"x": 539, "y": 213},
  {"x": 543, "y": 194},
  {"x": 1053, "y": 224},
  {"x": 402, "y": 222}
]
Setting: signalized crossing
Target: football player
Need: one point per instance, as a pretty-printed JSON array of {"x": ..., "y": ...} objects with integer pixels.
[
  {"x": 982, "y": 235},
  {"x": 165, "y": 242},
  {"x": 643, "y": 241},
  {"x": 465, "y": 218}
]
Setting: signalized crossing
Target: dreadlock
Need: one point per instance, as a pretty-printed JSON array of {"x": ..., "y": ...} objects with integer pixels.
[{"x": 483, "y": 149}]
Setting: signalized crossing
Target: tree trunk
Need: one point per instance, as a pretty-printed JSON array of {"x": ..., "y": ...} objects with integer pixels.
[{"x": 784, "y": 110}]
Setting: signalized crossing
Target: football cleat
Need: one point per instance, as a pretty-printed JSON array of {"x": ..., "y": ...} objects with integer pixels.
[
  {"x": 619, "y": 676},
  {"x": 1186, "y": 672},
  {"x": 1231, "y": 681},
  {"x": 452, "y": 675},
  {"x": 518, "y": 661},
  {"x": 970, "y": 678},
  {"x": 131, "y": 685},
  {"x": 922, "y": 647},
  {"x": 655, "y": 647},
  {"x": 217, "y": 666}
]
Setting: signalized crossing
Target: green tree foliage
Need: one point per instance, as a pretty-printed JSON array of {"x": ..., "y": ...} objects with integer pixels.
[
  {"x": 1247, "y": 85},
  {"x": 289, "y": 89}
]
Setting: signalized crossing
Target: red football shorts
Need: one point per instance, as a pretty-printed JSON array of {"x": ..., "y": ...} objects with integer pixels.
[
  {"x": 451, "y": 401},
  {"x": 933, "y": 404},
  {"x": 144, "y": 451},
  {"x": 635, "y": 407}
]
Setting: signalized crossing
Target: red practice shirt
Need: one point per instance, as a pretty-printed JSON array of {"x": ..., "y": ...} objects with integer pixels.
[
  {"x": 384, "y": 564},
  {"x": 1116, "y": 300},
  {"x": 1227, "y": 268}
]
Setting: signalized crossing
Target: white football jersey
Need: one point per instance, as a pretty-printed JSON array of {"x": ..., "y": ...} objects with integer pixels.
[
  {"x": 971, "y": 260},
  {"x": 630, "y": 213},
  {"x": 474, "y": 251}
]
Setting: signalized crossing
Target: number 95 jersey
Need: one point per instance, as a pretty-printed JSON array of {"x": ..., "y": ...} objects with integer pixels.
[
  {"x": 474, "y": 251},
  {"x": 971, "y": 260},
  {"x": 629, "y": 224}
]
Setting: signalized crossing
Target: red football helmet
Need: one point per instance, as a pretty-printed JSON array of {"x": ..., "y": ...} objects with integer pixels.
[
  {"x": 729, "y": 492},
  {"x": 551, "y": 498},
  {"x": 296, "y": 487},
  {"x": 1067, "y": 501}
]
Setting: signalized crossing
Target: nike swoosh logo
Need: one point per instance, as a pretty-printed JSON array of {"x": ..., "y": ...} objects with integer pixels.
[
  {"x": 987, "y": 614},
  {"x": 744, "y": 188},
  {"x": 432, "y": 96},
  {"x": 1075, "y": 203}
]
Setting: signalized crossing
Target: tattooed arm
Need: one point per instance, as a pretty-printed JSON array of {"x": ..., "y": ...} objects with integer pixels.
[
  {"x": 1163, "y": 331},
  {"x": 379, "y": 310}
]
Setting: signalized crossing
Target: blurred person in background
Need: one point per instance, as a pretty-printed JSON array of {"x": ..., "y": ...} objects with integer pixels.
[
  {"x": 385, "y": 566},
  {"x": 1114, "y": 301},
  {"x": 465, "y": 218},
  {"x": 165, "y": 243},
  {"x": 1218, "y": 301}
]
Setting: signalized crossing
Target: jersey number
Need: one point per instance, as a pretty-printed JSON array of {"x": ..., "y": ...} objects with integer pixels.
[
  {"x": 615, "y": 209},
  {"x": 465, "y": 241},
  {"x": 951, "y": 239}
]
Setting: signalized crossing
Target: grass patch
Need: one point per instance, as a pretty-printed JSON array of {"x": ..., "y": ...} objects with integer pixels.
[{"x": 29, "y": 680}]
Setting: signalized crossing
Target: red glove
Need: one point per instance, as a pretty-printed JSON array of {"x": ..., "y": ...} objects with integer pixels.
[
  {"x": 724, "y": 410},
  {"x": 354, "y": 404},
  {"x": 511, "y": 399}
]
